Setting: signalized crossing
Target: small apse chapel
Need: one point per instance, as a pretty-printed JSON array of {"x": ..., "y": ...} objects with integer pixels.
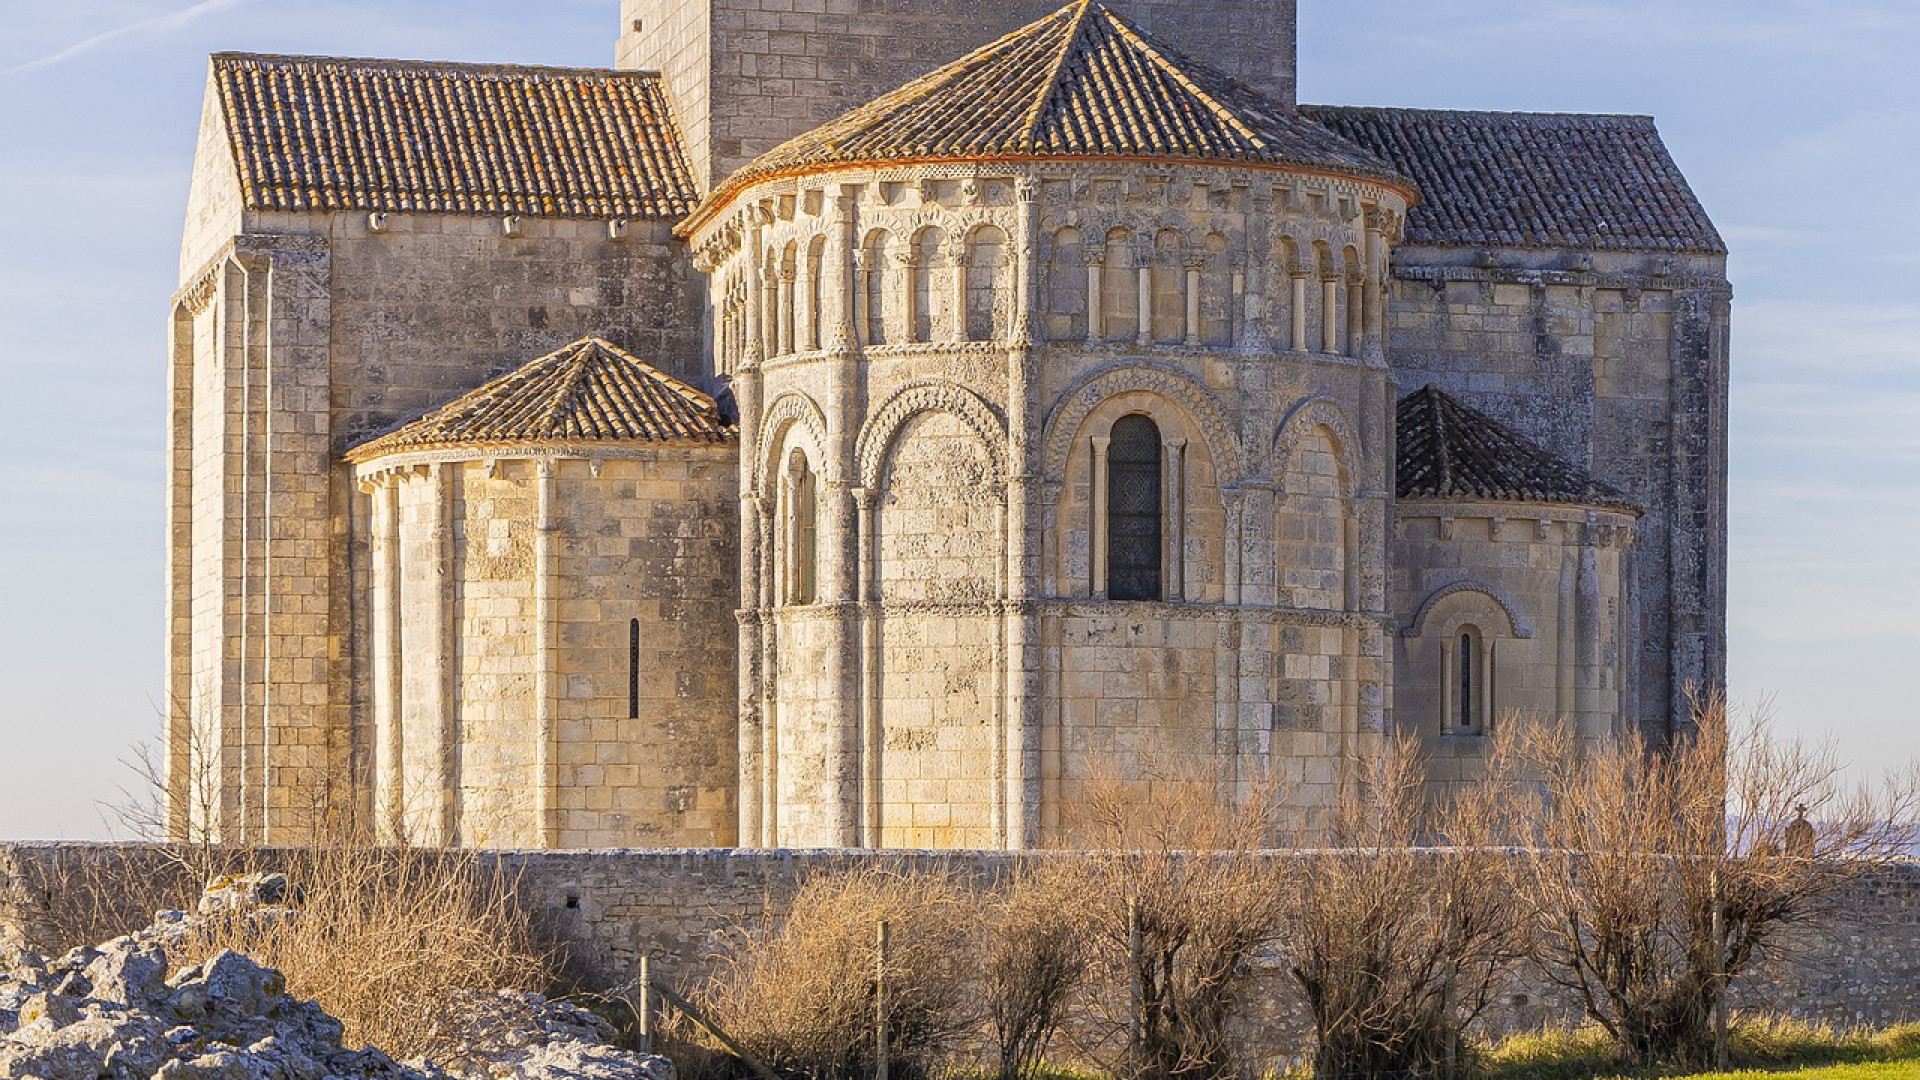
[{"x": 849, "y": 428}]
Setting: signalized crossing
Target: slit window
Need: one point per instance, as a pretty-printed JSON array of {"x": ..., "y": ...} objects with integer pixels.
[
  {"x": 1133, "y": 510},
  {"x": 633, "y": 670}
]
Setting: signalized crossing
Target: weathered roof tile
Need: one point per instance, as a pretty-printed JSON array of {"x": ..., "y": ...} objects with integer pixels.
[
  {"x": 322, "y": 133},
  {"x": 1533, "y": 180},
  {"x": 589, "y": 392},
  {"x": 1080, "y": 83},
  {"x": 1447, "y": 450}
]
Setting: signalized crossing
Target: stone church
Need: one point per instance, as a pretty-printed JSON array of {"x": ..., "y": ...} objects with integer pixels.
[{"x": 873, "y": 423}]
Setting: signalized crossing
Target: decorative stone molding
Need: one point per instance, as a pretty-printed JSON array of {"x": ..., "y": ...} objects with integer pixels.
[
  {"x": 1516, "y": 626},
  {"x": 1310, "y": 413},
  {"x": 884, "y": 423},
  {"x": 786, "y": 411},
  {"x": 1130, "y": 376}
]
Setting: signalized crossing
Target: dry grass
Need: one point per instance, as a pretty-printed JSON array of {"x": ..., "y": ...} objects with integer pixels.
[
  {"x": 1763, "y": 1042},
  {"x": 801, "y": 996},
  {"x": 384, "y": 939}
]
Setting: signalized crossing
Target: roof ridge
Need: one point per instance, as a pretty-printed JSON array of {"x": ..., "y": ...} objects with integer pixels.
[
  {"x": 574, "y": 362},
  {"x": 405, "y": 64},
  {"x": 1165, "y": 63},
  {"x": 1051, "y": 87},
  {"x": 1636, "y": 118}
]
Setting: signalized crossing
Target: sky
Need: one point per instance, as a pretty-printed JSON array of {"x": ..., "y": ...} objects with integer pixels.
[{"x": 1794, "y": 120}]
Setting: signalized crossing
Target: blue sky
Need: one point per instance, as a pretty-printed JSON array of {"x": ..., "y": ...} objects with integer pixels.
[{"x": 1798, "y": 123}]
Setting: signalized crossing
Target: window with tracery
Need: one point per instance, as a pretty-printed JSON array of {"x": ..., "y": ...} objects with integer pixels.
[{"x": 1134, "y": 526}]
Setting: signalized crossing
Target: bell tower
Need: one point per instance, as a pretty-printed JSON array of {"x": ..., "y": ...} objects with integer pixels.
[{"x": 746, "y": 75}]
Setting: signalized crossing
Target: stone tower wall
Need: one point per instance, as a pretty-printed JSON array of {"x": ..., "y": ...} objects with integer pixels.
[
  {"x": 1543, "y": 588},
  {"x": 294, "y": 337},
  {"x": 962, "y": 670},
  {"x": 1618, "y": 364},
  {"x": 565, "y": 681},
  {"x": 746, "y": 75}
]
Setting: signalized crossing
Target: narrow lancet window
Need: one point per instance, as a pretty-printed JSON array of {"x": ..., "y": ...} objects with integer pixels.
[
  {"x": 1133, "y": 510},
  {"x": 633, "y": 670}
]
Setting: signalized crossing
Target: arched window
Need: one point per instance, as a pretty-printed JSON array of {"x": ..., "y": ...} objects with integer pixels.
[
  {"x": 1472, "y": 689},
  {"x": 802, "y": 529},
  {"x": 1067, "y": 288},
  {"x": 1119, "y": 289},
  {"x": 1169, "y": 288},
  {"x": 1133, "y": 510},
  {"x": 986, "y": 252},
  {"x": 789, "y": 300},
  {"x": 816, "y": 290},
  {"x": 926, "y": 296},
  {"x": 878, "y": 252}
]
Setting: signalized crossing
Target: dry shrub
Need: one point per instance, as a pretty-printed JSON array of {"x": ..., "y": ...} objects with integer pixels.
[
  {"x": 1657, "y": 875},
  {"x": 1207, "y": 902},
  {"x": 1033, "y": 959},
  {"x": 386, "y": 938},
  {"x": 1397, "y": 949},
  {"x": 801, "y": 995},
  {"x": 79, "y": 895}
]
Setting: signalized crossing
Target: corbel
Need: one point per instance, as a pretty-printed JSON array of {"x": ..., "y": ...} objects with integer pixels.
[{"x": 512, "y": 226}]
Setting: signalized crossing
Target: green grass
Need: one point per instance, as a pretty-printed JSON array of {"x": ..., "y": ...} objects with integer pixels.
[{"x": 1759, "y": 1046}]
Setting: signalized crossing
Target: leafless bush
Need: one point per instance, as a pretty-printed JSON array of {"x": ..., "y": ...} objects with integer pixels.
[
  {"x": 1658, "y": 874},
  {"x": 1033, "y": 959},
  {"x": 387, "y": 938},
  {"x": 1397, "y": 949},
  {"x": 801, "y": 996},
  {"x": 1205, "y": 903}
]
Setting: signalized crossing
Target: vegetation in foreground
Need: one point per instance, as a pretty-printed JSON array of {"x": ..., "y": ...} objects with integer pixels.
[{"x": 1758, "y": 1045}]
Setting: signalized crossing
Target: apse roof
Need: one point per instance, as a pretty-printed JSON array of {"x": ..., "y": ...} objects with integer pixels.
[
  {"x": 588, "y": 392},
  {"x": 1082, "y": 82},
  {"x": 1448, "y": 450},
  {"x": 323, "y": 133},
  {"x": 1533, "y": 180}
]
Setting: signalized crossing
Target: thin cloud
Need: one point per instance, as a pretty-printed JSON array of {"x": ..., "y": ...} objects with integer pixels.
[{"x": 172, "y": 20}]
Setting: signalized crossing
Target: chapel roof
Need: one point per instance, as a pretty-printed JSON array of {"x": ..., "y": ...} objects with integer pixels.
[
  {"x": 1533, "y": 180},
  {"x": 1083, "y": 82},
  {"x": 591, "y": 391},
  {"x": 324, "y": 133},
  {"x": 1449, "y": 450}
]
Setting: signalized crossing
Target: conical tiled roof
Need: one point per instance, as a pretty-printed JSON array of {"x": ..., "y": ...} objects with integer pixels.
[
  {"x": 1450, "y": 451},
  {"x": 1083, "y": 83},
  {"x": 589, "y": 392}
]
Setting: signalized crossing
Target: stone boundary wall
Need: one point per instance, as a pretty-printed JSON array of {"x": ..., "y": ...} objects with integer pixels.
[{"x": 1861, "y": 966}]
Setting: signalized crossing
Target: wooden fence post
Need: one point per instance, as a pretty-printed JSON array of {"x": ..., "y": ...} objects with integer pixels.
[{"x": 880, "y": 1006}]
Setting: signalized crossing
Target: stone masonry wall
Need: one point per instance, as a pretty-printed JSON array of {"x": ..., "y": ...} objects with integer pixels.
[
  {"x": 1617, "y": 363},
  {"x": 684, "y": 908},
  {"x": 746, "y": 75}
]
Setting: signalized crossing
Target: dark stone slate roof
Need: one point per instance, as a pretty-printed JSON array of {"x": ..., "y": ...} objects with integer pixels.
[
  {"x": 322, "y": 133},
  {"x": 1448, "y": 450},
  {"x": 1081, "y": 83},
  {"x": 589, "y": 392},
  {"x": 1533, "y": 180}
]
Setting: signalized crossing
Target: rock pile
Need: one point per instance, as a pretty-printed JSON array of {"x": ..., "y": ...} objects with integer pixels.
[{"x": 121, "y": 1011}]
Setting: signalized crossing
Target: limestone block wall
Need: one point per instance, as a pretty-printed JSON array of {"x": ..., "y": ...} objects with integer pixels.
[
  {"x": 941, "y": 657},
  {"x": 1617, "y": 362},
  {"x": 279, "y": 363},
  {"x": 1531, "y": 600},
  {"x": 746, "y": 75},
  {"x": 684, "y": 909},
  {"x": 555, "y": 667}
]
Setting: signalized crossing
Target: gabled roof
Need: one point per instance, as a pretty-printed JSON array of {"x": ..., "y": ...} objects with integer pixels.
[
  {"x": 321, "y": 133},
  {"x": 1533, "y": 180},
  {"x": 589, "y": 392},
  {"x": 1447, "y": 450},
  {"x": 1081, "y": 83}
]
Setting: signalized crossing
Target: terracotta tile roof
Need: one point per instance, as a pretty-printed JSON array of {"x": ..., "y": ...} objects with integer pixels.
[
  {"x": 1082, "y": 82},
  {"x": 589, "y": 392},
  {"x": 1533, "y": 180},
  {"x": 1450, "y": 451},
  {"x": 319, "y": 133}
]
